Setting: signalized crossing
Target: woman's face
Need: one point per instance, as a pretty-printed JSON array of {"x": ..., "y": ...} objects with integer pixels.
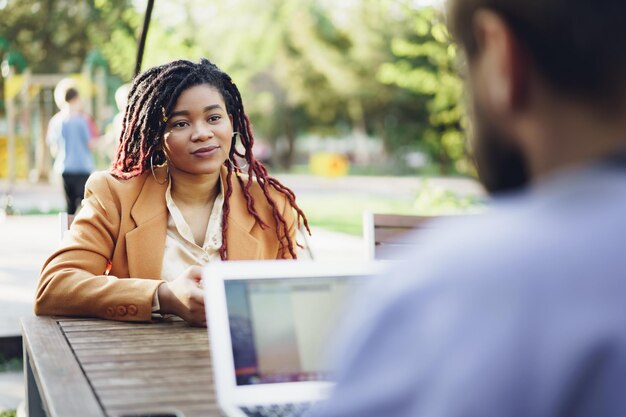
[{"x": 199, "y": 131}]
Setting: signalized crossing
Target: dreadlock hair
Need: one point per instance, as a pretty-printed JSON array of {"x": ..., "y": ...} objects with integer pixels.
[{"x": 152, "y": 97}]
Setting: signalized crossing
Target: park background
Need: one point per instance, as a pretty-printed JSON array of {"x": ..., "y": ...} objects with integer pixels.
[{"x": 357, "y": 105}]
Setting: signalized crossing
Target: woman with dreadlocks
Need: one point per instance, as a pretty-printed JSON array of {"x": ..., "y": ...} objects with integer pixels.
[{"x": 175, "y": 198}]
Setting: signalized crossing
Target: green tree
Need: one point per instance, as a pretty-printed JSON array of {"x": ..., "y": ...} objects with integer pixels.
[
  {"x": 56, "y": 36},
  {"x": 426, "y": 64}
]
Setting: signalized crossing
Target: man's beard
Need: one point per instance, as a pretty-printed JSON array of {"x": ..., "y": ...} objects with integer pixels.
[{"x": 501, "y": 165}]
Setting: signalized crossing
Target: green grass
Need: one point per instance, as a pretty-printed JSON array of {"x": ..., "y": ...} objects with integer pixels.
[
  {"x": 9, "y": 365},
  {"x": 345, "y": 213}
]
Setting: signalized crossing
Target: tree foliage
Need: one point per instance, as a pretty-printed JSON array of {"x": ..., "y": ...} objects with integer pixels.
[
  {"x": 347, "y": 68},
  {"x": 56, "y": 36},
  {"x": 426, "y": 63}
]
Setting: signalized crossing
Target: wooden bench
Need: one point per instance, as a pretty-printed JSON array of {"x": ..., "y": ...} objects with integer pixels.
[{"x": 384, "y": 234}]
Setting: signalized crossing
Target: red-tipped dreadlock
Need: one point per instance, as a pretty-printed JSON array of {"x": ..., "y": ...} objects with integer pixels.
[{"x": 156, "y": 91}]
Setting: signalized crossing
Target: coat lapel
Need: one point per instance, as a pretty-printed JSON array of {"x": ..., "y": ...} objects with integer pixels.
[
  {"x": 145, "y": 244},
  {"x": 241, "y": 245}
]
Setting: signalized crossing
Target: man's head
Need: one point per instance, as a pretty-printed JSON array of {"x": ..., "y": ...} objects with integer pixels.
[
  {"x": 525, "y": 54},
  {"x": 71, "y": 95}
]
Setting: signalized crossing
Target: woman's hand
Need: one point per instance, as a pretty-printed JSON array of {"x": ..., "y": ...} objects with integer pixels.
[{"x": 184, "y": 297}]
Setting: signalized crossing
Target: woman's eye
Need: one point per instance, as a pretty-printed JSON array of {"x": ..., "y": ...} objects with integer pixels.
[
  {"x": 179, "y": 124},
  {"x": 214, "y": 118}
]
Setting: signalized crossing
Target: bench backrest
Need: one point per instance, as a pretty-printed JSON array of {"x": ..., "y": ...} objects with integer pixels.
[
  {"x": 385, "y": 233},
  {"x": 65, "y": 221}
]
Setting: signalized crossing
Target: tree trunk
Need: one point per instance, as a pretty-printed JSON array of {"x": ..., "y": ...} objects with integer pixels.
[
  {"x": 359, "y": 131},
  {"x": 290, "y": 135}
]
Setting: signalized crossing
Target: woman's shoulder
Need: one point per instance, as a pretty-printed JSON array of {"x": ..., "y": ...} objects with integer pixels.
[{"x": 105, "y": 182}]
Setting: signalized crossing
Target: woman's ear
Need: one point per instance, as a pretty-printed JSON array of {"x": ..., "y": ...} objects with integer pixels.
[
  {"x": 230, "y": 116},
  {"x": 160, "y": 150}
]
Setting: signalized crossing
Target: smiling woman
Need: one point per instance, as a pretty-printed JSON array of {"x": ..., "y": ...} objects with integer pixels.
[{"x": 176, "y": 198}]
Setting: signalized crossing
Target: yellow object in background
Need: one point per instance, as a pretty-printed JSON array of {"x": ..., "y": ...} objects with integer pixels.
[
  {"x": 21, "y": 158},
  {"x": 327, "y": 164},
  {"x": 13, "y": 85}
]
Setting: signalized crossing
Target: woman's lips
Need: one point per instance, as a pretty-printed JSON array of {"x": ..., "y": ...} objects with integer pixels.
[{"x": 205, "y": 152}]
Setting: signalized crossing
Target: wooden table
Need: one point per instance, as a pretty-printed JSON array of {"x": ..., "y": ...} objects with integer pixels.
[{"x": 86, "y": 367}]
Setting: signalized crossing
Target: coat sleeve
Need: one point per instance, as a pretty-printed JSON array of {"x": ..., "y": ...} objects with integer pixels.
[{"x": 73, "y": 281}]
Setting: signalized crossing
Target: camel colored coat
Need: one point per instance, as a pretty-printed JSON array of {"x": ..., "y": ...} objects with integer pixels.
[{"x": 125, "y": 222}]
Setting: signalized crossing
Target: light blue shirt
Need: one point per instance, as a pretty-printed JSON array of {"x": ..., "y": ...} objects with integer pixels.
[
  {"x": 69, "y": 135},
  {"x": 518, "y": 312}
]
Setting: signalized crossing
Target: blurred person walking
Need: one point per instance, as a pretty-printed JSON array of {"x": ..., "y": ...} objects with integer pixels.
[
  {"x": 69, "y": 137},
  {"x": 519, "y": 312}
]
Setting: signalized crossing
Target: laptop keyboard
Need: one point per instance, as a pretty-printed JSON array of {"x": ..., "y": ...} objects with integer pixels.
[{"x": 278, "y": 410}]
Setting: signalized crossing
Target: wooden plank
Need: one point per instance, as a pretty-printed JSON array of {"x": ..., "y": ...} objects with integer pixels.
[
  {"x": 213, "y": 412},
  {"x": 189, "y": 410},
  {"x": 77, "y": 335},
  {"x": 34, "y": 404},
  {"x": 121, "y": 326},
  {"x": 164, "y": 395},
  {"x": 86, "y": 358},
  {"x": 401, "y": 221},
  {"x": 137, "y": 379},
  {"x": 135, "y": 348},
  {"x": 155, "y": 390},
  {"x": 392, "y": 235},
  {"x": 155, "y": 371},
  {"x": 120, "y": 343},
  {"x": 64, "y": 389},
  {"x": 98, "y": 337},
  {"x": 131, "y": 366},
  {"x": 136, "y": 334},
  {"x": 81, "y": 321},
  {"x": 183, "y": 400}
]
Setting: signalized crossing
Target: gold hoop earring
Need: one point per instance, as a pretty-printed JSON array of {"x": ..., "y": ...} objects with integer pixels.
[
  {"x": 167, "y": 172},
  {"x": 232, "y": 163},
  {"x": 238, "y": 168}
]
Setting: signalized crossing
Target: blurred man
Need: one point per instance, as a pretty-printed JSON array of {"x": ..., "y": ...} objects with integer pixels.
[
  {"x": 69, "y": 137},
  {"x": 521, "y": 312}
]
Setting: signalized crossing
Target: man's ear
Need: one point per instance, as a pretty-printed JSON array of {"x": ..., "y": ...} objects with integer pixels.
[{"x": 503, "y": 63}]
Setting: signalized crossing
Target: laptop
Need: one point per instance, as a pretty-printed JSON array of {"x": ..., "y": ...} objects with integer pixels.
[{"x": 270, "y": 324}]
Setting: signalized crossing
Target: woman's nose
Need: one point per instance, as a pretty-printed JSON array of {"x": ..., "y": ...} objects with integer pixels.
[{"x": 202, "y": 131}]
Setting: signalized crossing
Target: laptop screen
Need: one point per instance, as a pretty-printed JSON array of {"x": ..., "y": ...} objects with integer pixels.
[{"x": 280, "y": 328}]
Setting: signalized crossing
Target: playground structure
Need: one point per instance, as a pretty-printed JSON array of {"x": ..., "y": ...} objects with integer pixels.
[{"x": 29, "y": 104}]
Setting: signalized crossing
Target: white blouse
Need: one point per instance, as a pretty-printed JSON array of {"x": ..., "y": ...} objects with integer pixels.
[{"x": 181, "y": 251}]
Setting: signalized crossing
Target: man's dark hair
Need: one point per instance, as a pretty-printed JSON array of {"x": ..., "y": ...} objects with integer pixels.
[
  {"x": 579, "y": 46},
  {"x": 70, "y": 94}
]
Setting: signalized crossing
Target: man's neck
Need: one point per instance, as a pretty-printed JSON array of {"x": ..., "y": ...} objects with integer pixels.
[
  {"x": 572, "y": 137},
  {"x": 194, "y": 190}
]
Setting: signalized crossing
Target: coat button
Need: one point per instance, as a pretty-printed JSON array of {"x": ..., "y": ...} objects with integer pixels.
[
  {"x": 132, "y": 310},
  {"x": 121, "y": 310},
  {"x": 110, "y": 311}
]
